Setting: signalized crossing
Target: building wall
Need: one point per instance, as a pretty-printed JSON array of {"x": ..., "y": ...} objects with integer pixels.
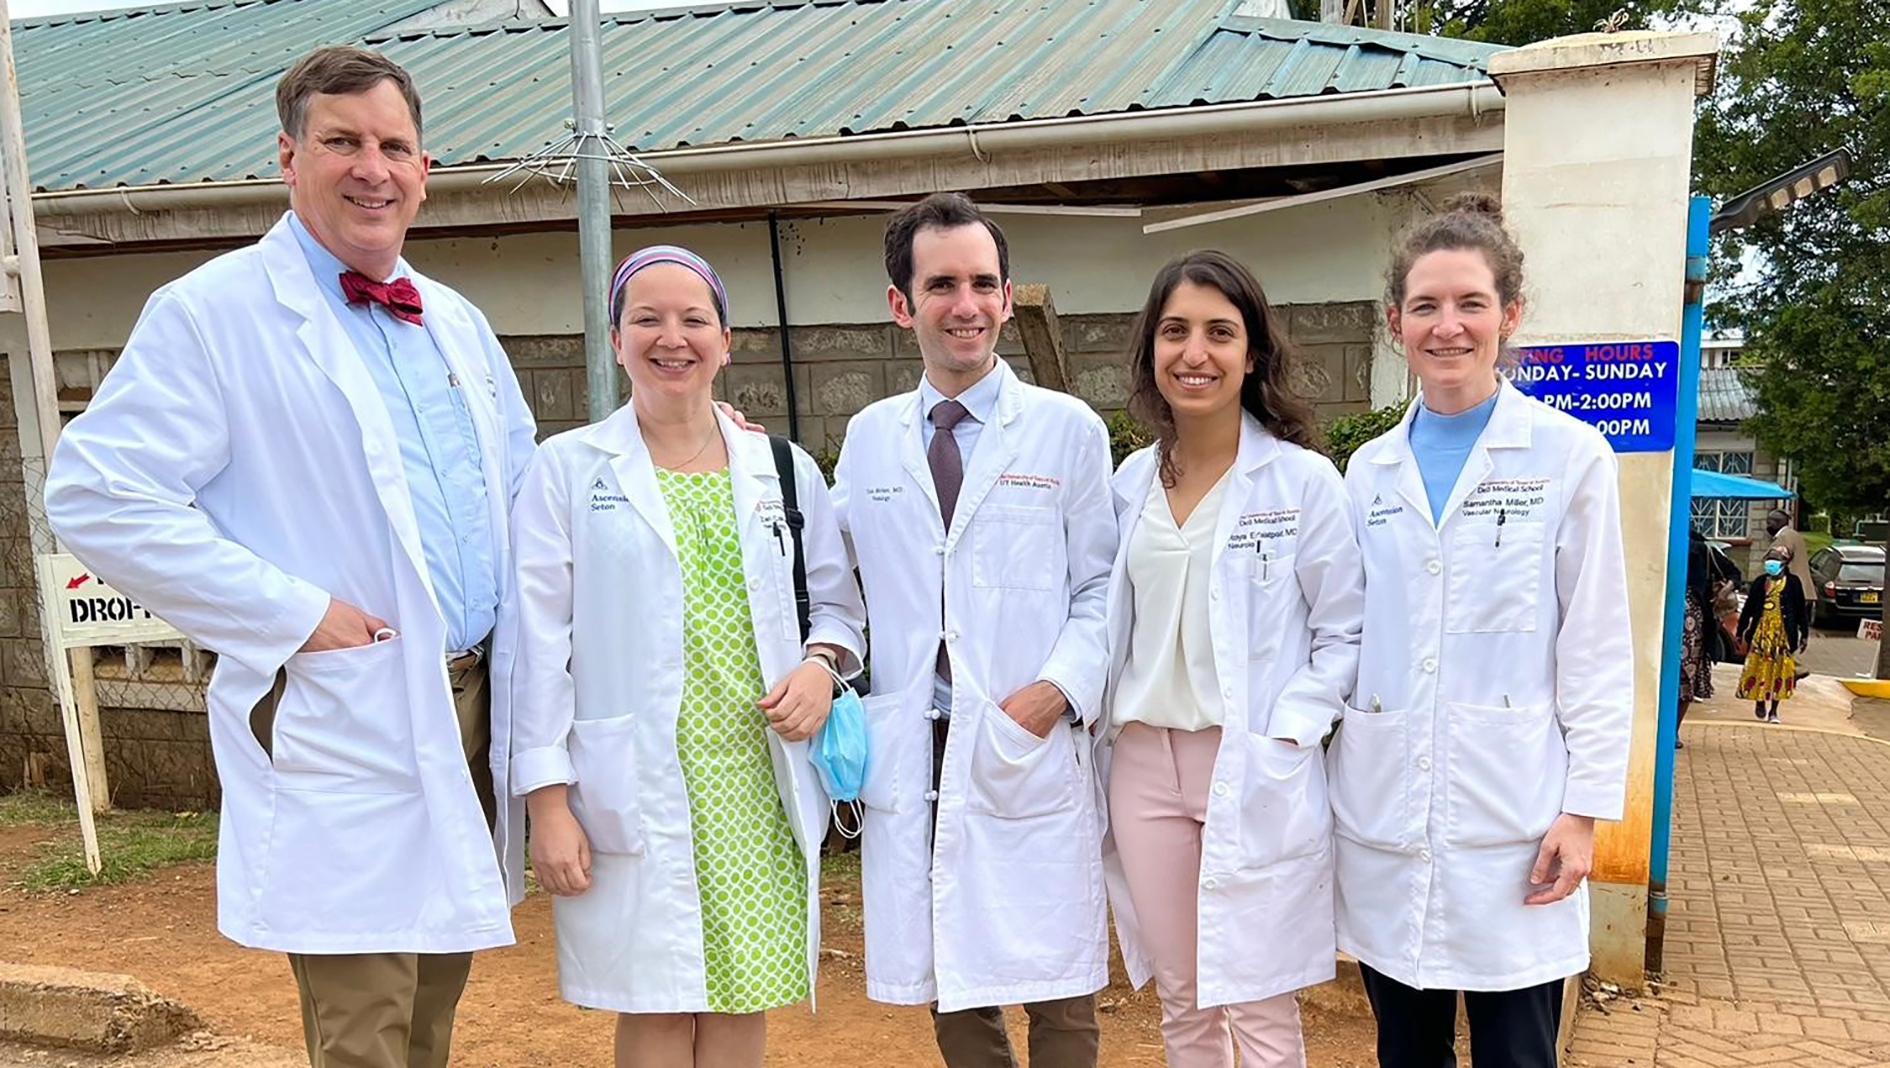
[{"x": 1322, "y": 267}]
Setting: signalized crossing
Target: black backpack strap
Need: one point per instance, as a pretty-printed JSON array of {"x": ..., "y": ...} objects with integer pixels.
[{"x": 791, "y": 507}]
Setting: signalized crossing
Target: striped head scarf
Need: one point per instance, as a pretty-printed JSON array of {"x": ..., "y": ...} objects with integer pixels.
[{"x": 654, "y": 254}]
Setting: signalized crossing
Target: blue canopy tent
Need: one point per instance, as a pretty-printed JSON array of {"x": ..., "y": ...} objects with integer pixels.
[{"x": 1717, "y": 484}]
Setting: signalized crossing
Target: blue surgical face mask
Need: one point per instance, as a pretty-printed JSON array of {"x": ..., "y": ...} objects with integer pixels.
[
  {"x": 839, "y": 755},
  {"x": 1775, "y": 568}
]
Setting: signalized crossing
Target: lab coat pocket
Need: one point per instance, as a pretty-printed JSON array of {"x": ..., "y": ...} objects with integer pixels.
[
  {"x": 345, "y": 862},
  {"x": 1017, "y": 775},
  {"x": 1016, "y": 548},
  {"x": 604, "y": 798},
  {"x": 1496, "y": 578},
  {"x": 1507, "y": 769},
  {"x": 882, "y": 786},
  {"x": 344, "y": 721},
  {"x": 1270, "y": 583},
  {"x": 1368, "y": 771},
  {"x": 1283, "y": 811}
]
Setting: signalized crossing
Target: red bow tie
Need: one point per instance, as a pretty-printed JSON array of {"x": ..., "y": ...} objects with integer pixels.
[{"x": 399, "y": 297}]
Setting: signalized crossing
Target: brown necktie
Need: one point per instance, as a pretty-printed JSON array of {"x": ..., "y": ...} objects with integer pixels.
[{"x": 948, "y": 476}]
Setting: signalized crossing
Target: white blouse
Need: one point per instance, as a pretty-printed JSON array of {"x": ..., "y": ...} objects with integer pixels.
[{"x": 1168, "y": 677}]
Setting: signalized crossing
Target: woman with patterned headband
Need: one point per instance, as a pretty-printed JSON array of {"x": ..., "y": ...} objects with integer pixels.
[{"x": 665, "y": 693}]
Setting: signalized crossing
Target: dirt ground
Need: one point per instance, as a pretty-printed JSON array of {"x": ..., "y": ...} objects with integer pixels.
[{"x": 162, "y": 930}]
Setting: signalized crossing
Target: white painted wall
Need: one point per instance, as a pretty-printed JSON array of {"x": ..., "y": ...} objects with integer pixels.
[{"x": 528, "y": 283}]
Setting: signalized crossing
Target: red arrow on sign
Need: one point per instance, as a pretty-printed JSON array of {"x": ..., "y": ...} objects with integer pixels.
[{"x": 73, "y": 584}]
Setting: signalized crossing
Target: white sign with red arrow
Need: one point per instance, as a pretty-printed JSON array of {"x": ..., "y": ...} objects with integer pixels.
[{"x": 86, "y": 611}]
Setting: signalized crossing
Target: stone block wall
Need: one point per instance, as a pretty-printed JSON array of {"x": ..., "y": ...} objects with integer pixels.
[{"x": 157, "y": 757}]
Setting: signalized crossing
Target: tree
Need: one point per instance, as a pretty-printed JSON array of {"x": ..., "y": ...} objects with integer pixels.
[{"x": 1799, "y": 79}]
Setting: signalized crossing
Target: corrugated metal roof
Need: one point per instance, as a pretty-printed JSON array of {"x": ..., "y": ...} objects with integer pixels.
[
  {"x": 185, "y": 93},
  {"x": 1726, "y": 396}
]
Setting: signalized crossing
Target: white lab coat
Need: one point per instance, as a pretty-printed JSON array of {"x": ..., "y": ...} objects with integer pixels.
[
  {"x": 236, "y": 469},
  {"x": 599, "y": 682},
  {"x": 1496, "y": 644},
  {"x": 1005, "y": 904},
  {"x": 1285, "y": 599}
]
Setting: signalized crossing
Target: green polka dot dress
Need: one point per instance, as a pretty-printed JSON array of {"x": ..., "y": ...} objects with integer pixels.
[{"x": 749, "y": 870}]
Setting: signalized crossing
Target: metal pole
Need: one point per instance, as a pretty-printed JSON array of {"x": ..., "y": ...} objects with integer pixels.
[
  {"x": 1679, "y": 520},
  {"x": 780, "y": 315},
  {"x": 593, "y": 173},
  {"x": 25, "y": 263}
]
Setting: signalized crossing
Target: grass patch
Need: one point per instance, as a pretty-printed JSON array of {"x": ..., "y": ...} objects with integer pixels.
[
  {"x": 36, "y": 806},
  {"x": 844, "y": 867},
  {"x": 1816, "y": 540},
  {"x": 131, "y": 843}
]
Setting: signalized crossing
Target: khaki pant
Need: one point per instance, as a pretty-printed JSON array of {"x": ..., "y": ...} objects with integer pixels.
[
  {"x": 1063, "y": 1034},
  {"x": 390, "y": 1010}
]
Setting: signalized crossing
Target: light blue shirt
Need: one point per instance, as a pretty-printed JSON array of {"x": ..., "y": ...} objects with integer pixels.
[
  {"x": 1442, "y": 445},
  {"x": 439, "y": 449},
  {"x": 980, "y": 400}
]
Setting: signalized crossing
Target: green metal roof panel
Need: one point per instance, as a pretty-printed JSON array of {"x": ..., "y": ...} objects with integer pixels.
[{"x": 187, "y": 91}]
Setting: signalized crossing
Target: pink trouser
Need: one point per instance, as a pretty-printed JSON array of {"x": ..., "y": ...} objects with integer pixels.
[{"x": 1158, "y": 787}]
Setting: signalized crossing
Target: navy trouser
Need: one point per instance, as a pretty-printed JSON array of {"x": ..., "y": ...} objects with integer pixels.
[{"x": 1508, "y": 1028}]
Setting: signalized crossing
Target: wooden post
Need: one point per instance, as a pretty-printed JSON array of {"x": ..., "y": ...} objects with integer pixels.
[
  {"x": 1043, "y": 339},
  {"x": 91, "y": 733}
]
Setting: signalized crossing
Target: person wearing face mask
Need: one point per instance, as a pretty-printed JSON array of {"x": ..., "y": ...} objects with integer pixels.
[
  {"x": 1234, "y": 620},
  {"x": 1490, "y": 725},
  {"x": 664, "y": 694},
  {"x": 1775, "y": 624}
]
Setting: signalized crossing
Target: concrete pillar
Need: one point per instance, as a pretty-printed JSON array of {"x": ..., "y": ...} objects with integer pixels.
[{"x": 1598, "y": 139}]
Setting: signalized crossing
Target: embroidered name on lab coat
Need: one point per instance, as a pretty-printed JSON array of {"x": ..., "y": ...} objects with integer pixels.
[
  {"x": 1380, "y": 513},
  {"x": 883, "y": 494},
  {"x": 1024, "y": 481},
  {"x": 602, "y": 500},
  {"x": 1516, "y": 498},
  {"x": 1258, "y": 531}
]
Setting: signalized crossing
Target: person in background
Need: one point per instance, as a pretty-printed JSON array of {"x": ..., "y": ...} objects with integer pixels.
[
  {"x": 1774, "y": 624},
  {"x": 1700, "y": 636},
  {"x": 1778, "y": 523}
]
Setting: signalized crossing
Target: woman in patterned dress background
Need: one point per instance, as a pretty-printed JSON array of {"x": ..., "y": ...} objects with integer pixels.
[
  {"x": 1773, "y": 622},
  {"x": 664, "y": 693}
]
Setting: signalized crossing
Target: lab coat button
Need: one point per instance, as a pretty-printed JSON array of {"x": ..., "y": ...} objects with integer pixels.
[
  {"x": 1424, "y": 763},
  {"x": 1424, "y": 855},
  {"x": 1209, "y": 883},
  {"x": 938, "y": 550},
  {"x": 931, "y": 795},
  {"x": 951, "y": 635},
  {"x": 1214, "y": 595},
  {"x": 1430, "y": 663},
  {"x": 1220, "y": 789},
  {"x": 1434, "y": 567}
]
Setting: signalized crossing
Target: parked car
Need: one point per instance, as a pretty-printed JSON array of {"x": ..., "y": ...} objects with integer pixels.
[{"x": 1849, "y": 582}]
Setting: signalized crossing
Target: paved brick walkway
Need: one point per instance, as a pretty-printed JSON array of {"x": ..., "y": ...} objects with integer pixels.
[{"x": 1778, "y": 929}]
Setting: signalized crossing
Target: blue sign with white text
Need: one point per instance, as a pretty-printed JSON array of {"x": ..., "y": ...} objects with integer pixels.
[{"x": 1628, "y": 390}]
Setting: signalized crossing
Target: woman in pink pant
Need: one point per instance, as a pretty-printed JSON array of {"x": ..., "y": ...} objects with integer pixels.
[{"x": 1234, "y": 625}]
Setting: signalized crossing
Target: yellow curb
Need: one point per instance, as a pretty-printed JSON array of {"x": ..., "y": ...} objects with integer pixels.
[{"x": 1867, "y": 687}]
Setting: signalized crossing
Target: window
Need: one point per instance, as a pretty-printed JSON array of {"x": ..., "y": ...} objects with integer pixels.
[{"x": 1721, "y": 517}]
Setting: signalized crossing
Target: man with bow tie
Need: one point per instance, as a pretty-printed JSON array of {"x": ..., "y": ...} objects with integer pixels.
[{"x": 304, "y": 460}]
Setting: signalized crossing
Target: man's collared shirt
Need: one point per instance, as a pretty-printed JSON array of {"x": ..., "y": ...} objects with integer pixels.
[
  {"x": 439, "y": 448},
  {"x": 980, "y": 400}
]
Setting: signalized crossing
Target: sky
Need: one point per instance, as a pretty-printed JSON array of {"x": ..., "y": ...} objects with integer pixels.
[{"x": 21, "y": 9}]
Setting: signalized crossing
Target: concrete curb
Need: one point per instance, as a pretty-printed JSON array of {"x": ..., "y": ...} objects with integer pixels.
[{"x": 71, "y": 1009}]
